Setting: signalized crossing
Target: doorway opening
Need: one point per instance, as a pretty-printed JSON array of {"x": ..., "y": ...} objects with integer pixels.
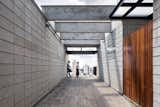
[{"x": 87, "y": 59}]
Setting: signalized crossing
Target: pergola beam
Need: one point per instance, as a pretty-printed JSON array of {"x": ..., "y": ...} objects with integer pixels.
[
  {"x": 81, "y": 43},
  {"x": 78, "y": 12},
  {"x": 83, "y": 27},
  {"x": 82, "y": 36}
]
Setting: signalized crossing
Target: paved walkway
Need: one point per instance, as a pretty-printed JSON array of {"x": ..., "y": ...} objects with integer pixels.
[{"x": 83, "y": 93}]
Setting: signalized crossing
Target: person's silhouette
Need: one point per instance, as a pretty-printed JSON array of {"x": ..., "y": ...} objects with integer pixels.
[
  {"x": 68, "y": 69},
  {"x": 77, "y": 70}
]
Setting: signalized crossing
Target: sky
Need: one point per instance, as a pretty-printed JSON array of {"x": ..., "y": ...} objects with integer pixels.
[{"x": 76, "y": 2}]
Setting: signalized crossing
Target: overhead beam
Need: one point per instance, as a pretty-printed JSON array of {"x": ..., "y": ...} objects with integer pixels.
[
  {"x": 83, "y": 27},
  {"x": 138, "y": 5},
  {"x": 82, "y": 36},
  {"x": 81, "y": 52},
  {"x": 78, "y": 12},
  {"x": 81, "y": 43}
]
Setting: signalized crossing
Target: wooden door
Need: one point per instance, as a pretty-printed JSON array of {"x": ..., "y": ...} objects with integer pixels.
[{"x": 137, "y": 64}]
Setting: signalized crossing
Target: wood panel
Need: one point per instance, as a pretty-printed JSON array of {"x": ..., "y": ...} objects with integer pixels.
[{"x": 137, "y": 62}]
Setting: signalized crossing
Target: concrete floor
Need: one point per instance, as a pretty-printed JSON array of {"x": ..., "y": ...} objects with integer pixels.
[{"x": 83, "y": 92}]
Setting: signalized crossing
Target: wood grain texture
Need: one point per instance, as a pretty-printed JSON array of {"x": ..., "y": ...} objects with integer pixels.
[{"x": 137, "y": 59}]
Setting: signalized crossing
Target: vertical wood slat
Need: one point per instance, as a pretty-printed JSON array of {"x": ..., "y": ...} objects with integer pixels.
[{"x": 137, "y": 78}]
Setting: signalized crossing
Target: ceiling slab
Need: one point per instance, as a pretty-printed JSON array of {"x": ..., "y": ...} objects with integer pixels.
[
  {"x": 81, "y": 43},
  {"x": 77, "y": 12},
  {"x": 83, "y": 27},
  {"x": 82, "y": 36}
]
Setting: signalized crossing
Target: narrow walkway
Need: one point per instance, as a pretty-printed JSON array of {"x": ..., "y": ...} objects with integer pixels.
[{"x": 83, "y": 93}]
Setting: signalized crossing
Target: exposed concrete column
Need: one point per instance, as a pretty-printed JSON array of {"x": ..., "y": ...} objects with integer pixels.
[
  {"x": 100, "y": 67},
  {"x": 156, "y": 54},
  {"x": 114, "y": 45},
  {"x": 92, "y": 12},
  {"x": 104, "y": 62}
]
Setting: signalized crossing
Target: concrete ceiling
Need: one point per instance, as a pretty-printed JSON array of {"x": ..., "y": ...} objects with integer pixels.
[
  {"x": 82, "y": 36},
  {"x": 78, "y": 12},
  {"x": 83, "y": 27},
  {"x": 81, "y": 43}
]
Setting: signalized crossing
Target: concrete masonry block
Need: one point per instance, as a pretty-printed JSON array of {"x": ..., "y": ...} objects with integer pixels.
[
  {"x": 28, "y": 88},
  {"x": 156, "y": 104},
  {"x": 8, "y": 3},
  {"x": 18, "y": 22},
  {"x": 6, "y": 69},
  {"x": 6, "y": 81},
  {"x": 6, "y": 58},
  {"x": 156, "y": 51},
  {"x": 28, "y": 28},
  {"x": 156, "y": 88},
  {"x": 34, "y": 68},
  {"x": 7, "y": 13},
  {"x": 5, "y": 35},
  {"x": 19, "y": 13},
  {"x": 28, "y": 101},
  {"x": 28, "y": 36},
  {"x": 6, "y": 24},
  {"x": 28, "y": 76},
  {"x": 6, "y": 46},
  {"x": 156, "y": 70},
  {"x": 156, "y": 42},
  {"x": 156, "y": 79},
  {"x": 156, "y": 97},
  {"x": 18, "y": 59},
  {"x": 18, "y": 50},
  {"x": 19, "y": 31},
  {"x": 155, "y": 24},
  {"x": 19, "y": 69},
  {"x": 155, "y": 33},
  {"x": 6, "y": 92},
  {"x": 7, "y": 102},
  {"x": 28, "y": 52},
  {"x": 20, "y": 103},
  {"x": 18, "y": 92},
  {"x": 27, "y": 60},
  {"x": 28, "y": 68},
  {"x": 19, "y": 78},
  {"x": 156, "y": 60},
  {"x": 20, "y": 5}
]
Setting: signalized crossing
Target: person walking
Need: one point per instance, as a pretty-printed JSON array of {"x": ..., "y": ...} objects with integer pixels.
[
  {"x": 68, "y": 69},
  {"x": 77, "y": 70}
]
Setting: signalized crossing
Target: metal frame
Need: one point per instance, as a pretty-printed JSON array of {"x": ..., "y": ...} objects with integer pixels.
[{"x": 133, "y": 6}]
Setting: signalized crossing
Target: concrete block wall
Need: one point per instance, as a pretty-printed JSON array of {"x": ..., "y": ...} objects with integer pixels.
[
  {"x": 31, "y": 58},
  {"x": 156, "y": 54},
  {"x": 105, "y": 72},
  {"x": 100, "y": 64},
  {"x": 115, "y": 57}
]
